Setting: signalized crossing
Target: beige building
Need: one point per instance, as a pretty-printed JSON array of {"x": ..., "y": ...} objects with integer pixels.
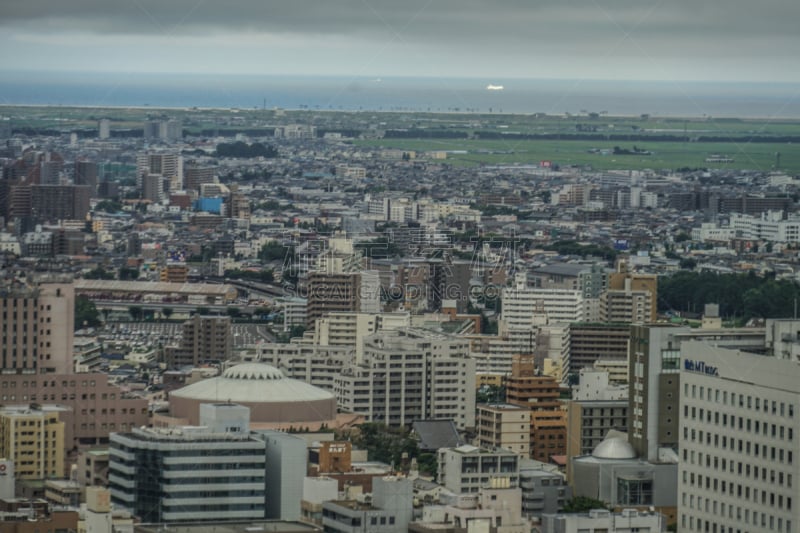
[
  {"x": 330, "y": 292},
  {"x": 36, "y": 325},
  {"x": 539, "y": 394},
  {"x": 588, "y": 423},
  {"x": 204, "y": 339},
  {"x": 350, "y": 329},
  {"x": 626, "y": 305},
  {"x": 627, "y": 281},
  {"x": 174, "y": 273},
  {"x": 310, "y": 363},
  {"x": 275, "y": 401},
  {"x": 589, "y": 342},
  {"x": 34, "y": 439},
  {"x": 503, "y": 426},
  {"x": 410, "y": 374},
  {"x": 484, "y": 467}
]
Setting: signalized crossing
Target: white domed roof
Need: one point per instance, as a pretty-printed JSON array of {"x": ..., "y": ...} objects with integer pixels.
[
  {"x": 252, "y": 383},
  {"x": 253, "y": 371},
  {"x": 614, "y": 448}
]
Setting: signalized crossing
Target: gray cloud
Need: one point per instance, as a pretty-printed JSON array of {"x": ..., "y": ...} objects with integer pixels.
[
  {"x": 632, "y": 33},
  {"x": 433, "y": 20}
]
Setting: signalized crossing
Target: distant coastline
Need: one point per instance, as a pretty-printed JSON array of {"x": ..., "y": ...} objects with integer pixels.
[{"x": 436, "y": 95}]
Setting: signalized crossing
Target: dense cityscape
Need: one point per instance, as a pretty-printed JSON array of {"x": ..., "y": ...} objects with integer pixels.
[{"x": 293, "y": 323}]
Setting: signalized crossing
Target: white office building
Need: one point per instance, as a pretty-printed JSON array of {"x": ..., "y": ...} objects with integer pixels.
[
  {"x": 410, "y": 374},
  {"x": 738, "y": 441},
  {"x": 190, "y": 473}
]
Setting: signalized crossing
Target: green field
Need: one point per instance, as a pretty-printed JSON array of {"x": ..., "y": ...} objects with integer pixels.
[
  {"x": 665, "y": 155},
  {"x": 746, "y": 154}
]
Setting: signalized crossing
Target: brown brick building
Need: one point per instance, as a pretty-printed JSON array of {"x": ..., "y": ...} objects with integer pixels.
[{"x": 541, "y": 395}]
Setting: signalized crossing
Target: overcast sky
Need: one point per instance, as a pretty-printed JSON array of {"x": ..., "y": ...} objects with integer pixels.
[{"x": 487, "y": 39}]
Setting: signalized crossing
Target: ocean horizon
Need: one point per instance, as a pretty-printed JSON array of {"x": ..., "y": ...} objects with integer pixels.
[{"x": 461, "y": 95}]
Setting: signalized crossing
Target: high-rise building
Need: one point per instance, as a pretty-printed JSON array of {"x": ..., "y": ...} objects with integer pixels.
[
  {"x": 626, "y": 306},
  {"x": 59, "y": 202},
  {"x": 738, "y": 441},
  {"x": 166, "y": 164},
  {"x": 191, "y": 473},
  {"x": 654, "y": 384},
  {"x": 196, "y": 175},
  {"x": 153, "y": 188},
  {"x": 654, "y": 378},
  {"x": 632, "y": 283},
  {"x": 86, "y": 174},
  {"x": 408, "y": 375},
  {"x": 36, "y": 326},
  {"x": 590, "y": 279},
  {"x": 204, "y": 339},
  {"x": 351, "y": 291},
  {"x": 593, "y": 341},
  {"x": 34, "y": 438},
  {"x": 168, "y": 130},
  {"x": 539, "y": 394},
  {"x": 103, "y": 129}
]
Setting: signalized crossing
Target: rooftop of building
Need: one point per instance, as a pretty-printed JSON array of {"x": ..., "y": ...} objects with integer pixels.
[
  {"x": 563, "y": 269},
  {"x": 252, "y": 383},
  {"x": 502, "y": 406},
  {"x": 276, "y": 526},
  {"x": 152, "y": 287},
  {"x": 31, "y": 409},
  {"x": 185, "y": 434},
  {"x": 468, "y": 449},
  {"x": 435, "y": 434}
]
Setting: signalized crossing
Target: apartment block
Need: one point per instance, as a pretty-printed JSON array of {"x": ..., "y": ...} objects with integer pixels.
[
  {"x": 34, "y": 438},
  {"x": 503, "y": 426},
  {"x": 628, "y": 281},
  {"x": 410, "y": 374},
  {"x": 331, "y": 292},
  {"x": 468, "y": 469},
  {"x": 539, "y": 394},
  {"x": 590, "y": 342},
  {"x": 308, "y": 362},
  {"x": 36, "y": 325},
  {"x": 204, "y": 339}
]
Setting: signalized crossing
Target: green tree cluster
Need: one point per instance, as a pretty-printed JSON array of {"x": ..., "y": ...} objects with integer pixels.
[
  {"x": 274, "y": 250},
  {"x": 264, "y": 276},
  {"x": 386, "y": 444},
  {"x": 98, "y": 273},
  {"x": 240, "y": 149},
  {"x": 126, "y": 273},
  {"x": 86, "y": 314},
  {"x": 582, "y": 504},
  {"x": 583, "y": 250},
  {"x": 740, "y": 296},
  {"x": 379, "y": 248}
]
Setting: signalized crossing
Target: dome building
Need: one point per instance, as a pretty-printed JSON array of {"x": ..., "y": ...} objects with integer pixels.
[
  {"x": 614, "y": 474},
  {"x": 275, "y": 401}
]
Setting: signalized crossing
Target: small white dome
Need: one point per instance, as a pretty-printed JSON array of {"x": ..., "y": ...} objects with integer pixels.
[{"x": 614, "y": 448}]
